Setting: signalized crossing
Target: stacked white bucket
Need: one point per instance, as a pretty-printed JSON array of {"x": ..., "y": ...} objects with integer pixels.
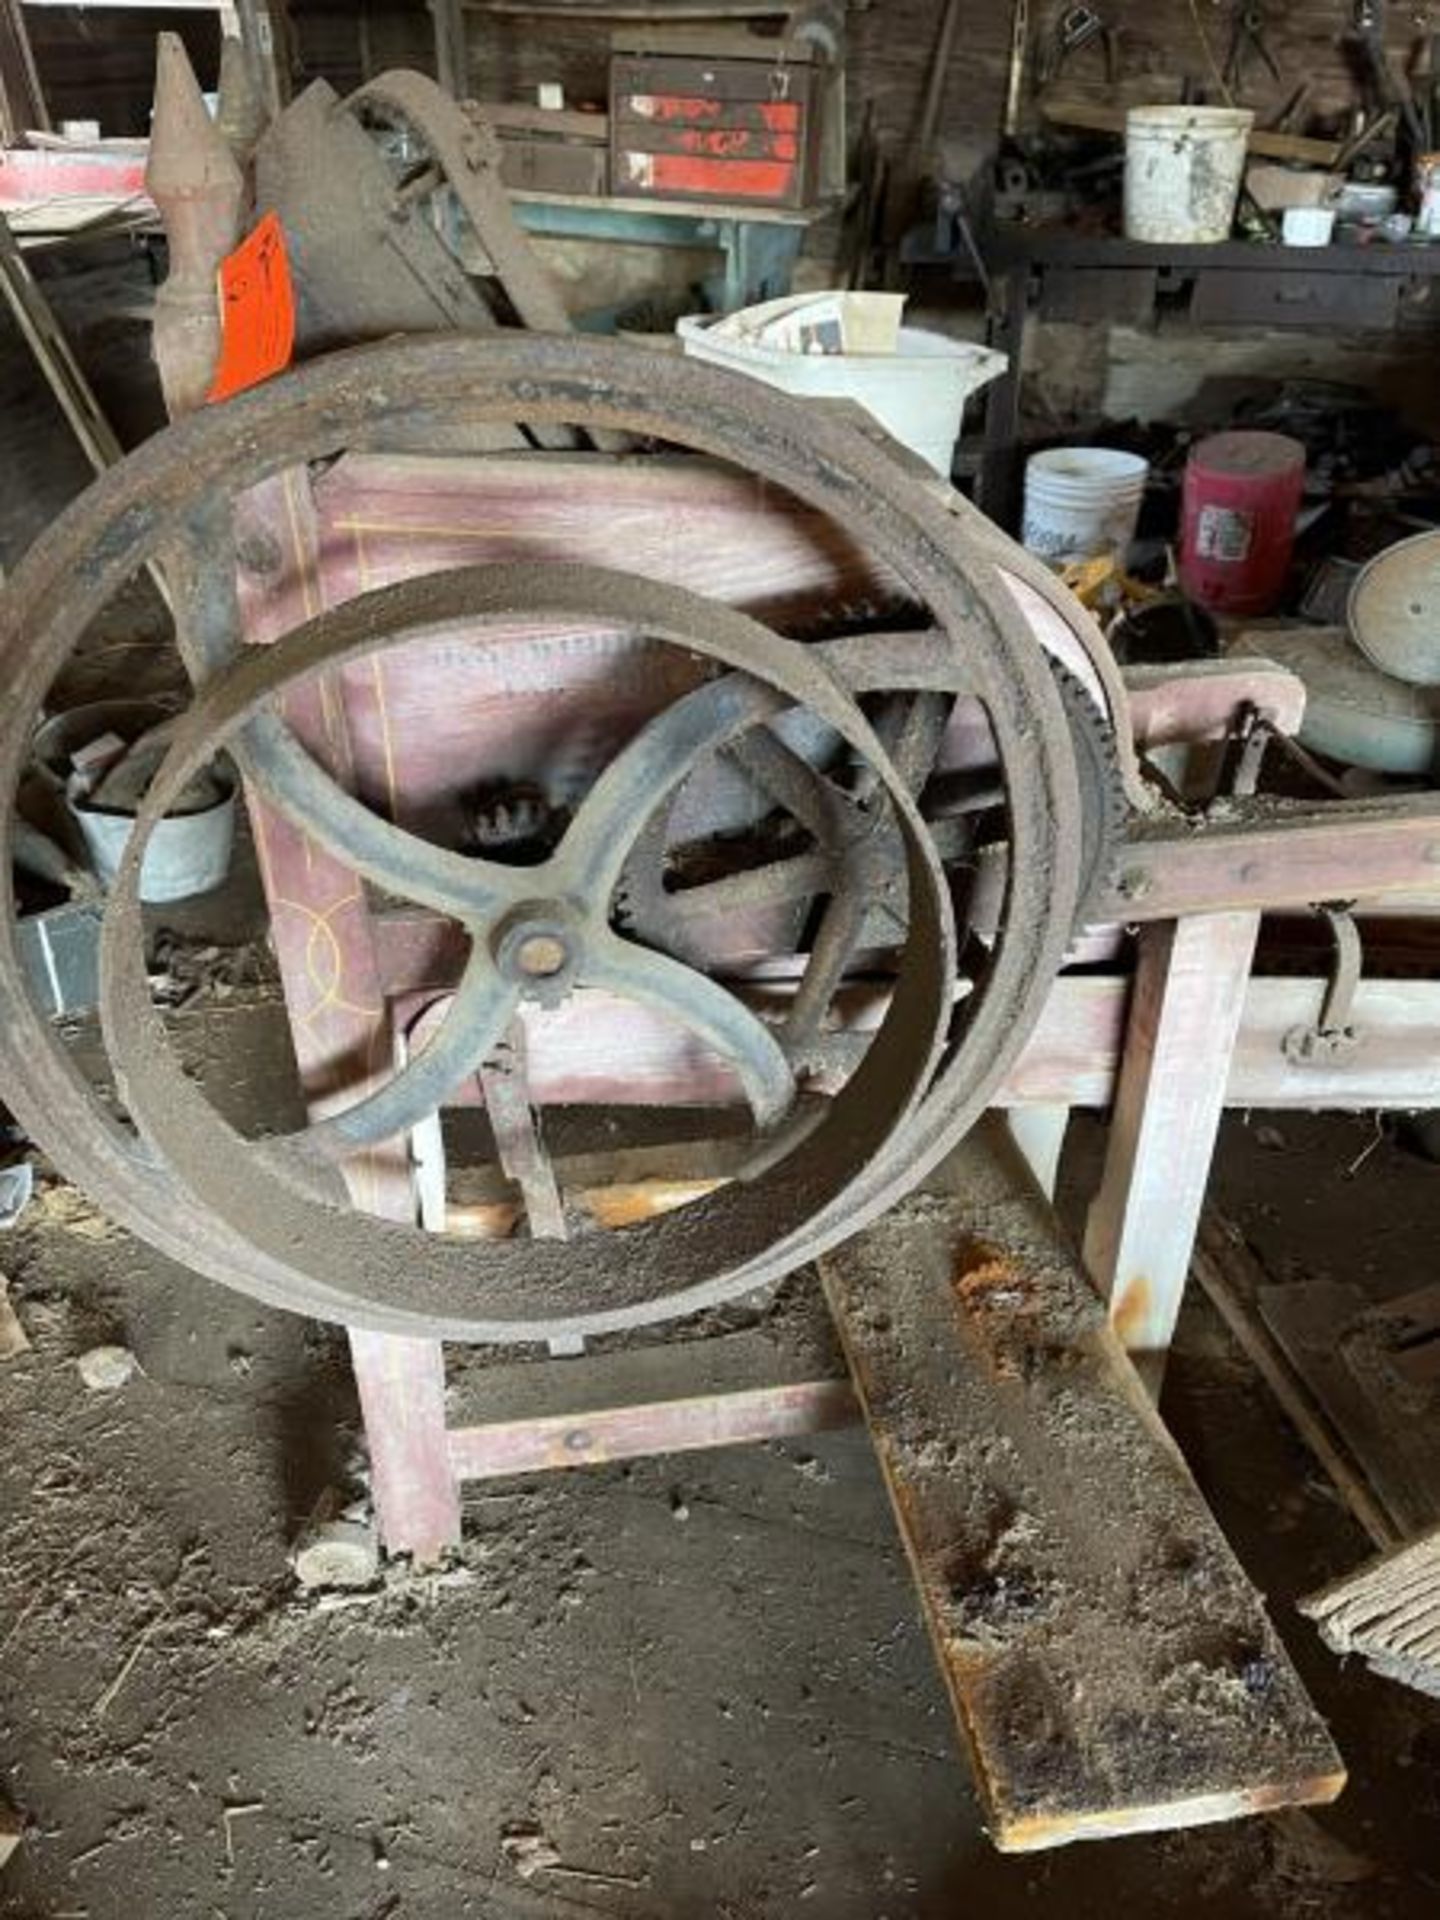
[
  {"x": 1082, "y": 503},
  {"x": 1183, "y": 168}
]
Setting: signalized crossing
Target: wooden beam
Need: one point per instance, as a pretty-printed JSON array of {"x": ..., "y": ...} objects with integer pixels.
[
  {"x": 452, "y": 63},
  {"x": 589, "y": 1436},
  {"x": 1112, "y": 1669},
  {"x": 1091, "y": 118},
  {"x": 402, "y": 1398},
  {"x": 1188, "y": 1003},
  {"x": 1270, "y": 855},
  {"x": 1072, "y": 1058},
  {"x": 22, "y": 98},
  {"x": 660, "y": 1396}
]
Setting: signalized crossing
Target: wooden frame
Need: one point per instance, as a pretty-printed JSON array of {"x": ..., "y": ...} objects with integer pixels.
[{"x": 1190, "y": 1034}]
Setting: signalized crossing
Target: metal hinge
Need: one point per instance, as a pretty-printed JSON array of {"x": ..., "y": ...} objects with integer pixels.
[{"x": 1333, "y": 1035}]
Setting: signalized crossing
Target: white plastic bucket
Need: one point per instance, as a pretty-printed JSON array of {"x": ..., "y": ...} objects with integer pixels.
[
  {"x": 1183, "y": 168},
  {"x": 1082, "y": 502},
  {"x": 917, "y": 394},
  {"x": 188, "y": 854}
]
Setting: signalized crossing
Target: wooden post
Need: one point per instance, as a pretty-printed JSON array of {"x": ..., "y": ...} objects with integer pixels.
[
  {"x": 452, "y": 62},
  {"x": 402, "y": 1398},
  {"x": 1184, "y": 1020},
  {"x": 22, "y": 98}
]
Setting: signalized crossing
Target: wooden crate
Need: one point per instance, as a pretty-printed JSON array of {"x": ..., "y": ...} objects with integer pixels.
[{"x": 685, "y": 127}]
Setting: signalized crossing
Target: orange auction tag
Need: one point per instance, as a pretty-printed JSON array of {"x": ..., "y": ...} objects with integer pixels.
[{"x": 257, "y": 311}]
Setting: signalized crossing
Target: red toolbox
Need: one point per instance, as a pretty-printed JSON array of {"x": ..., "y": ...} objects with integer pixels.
[{"x": 686, "y": 127}]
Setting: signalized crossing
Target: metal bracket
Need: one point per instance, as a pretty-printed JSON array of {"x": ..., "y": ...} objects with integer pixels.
[{"x": 1332, "y": 1036}]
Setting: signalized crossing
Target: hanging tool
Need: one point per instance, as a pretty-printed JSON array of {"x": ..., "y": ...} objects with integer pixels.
[
  {"x": 1019, "y": 47},
  {"x": 1369, "y": 21},
  {"x": 1247, "y": 38},
  {"x": 935, "y": 86},
  {"x": 1077, "y": 27}
]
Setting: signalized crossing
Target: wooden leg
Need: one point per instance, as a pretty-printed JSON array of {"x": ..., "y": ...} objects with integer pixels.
[
  {"x": 1185, "y": 1016},
  {"x": 402, "y": 1396},
  {"x": 1039, "y": 1133}
]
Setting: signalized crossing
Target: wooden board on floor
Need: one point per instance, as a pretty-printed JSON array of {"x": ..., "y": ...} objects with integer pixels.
[
  {"x": 1361, "y": 1361},
  {"x": 1112, "y": 1668},
  {"x": 1232, "y": 1280}
]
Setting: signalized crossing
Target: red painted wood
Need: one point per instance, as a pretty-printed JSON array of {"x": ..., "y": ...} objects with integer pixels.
[
  {"x": 587, "y": 1438},
  {"x": 340, "y": 1023},
  {"x": 681, "y": 109},
  {"x": 721, "y": 143},
  {"x": 413, "y": 1481},
  {"x": 683, "y": 174},
  {"x": 29, "y": 175}
]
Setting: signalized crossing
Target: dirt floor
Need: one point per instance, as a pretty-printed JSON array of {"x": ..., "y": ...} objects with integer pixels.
[{"x": 694, "y": 1687}]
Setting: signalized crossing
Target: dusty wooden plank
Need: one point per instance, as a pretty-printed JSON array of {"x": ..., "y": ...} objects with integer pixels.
[
  {"x": 1185, "y": 1015},
  {"x": 1357, "y": 1358},
  {"x": 1388, "y": 1611},
  {"x": 1232, "y": 1279},
  {"x": 597, "y": 1048},
  {"x": 1112, "y": 1668}
]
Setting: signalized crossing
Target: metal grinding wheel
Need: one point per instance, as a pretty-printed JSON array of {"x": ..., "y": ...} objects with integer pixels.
[
  {"x": 1394, "y": 610},
  {"x": 267, "y": 1217}
]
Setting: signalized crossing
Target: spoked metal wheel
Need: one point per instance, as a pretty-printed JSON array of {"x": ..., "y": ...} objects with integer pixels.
[{"x": 270, "y": 1216}]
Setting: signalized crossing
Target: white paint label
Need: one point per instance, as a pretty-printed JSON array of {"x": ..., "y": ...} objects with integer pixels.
[{"x": 1224, "y": 533}]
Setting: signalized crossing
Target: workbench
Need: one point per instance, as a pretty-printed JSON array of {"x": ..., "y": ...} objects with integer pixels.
[
  {"x": 1057, "y": 273},
  {"x": 760, "y": 244}
]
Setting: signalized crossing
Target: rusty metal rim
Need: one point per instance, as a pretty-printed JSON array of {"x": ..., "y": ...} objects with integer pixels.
[
  {"x": 468, "y": 153},
  {"x": 523, "y": 1284},
  {"x": 350, "y": 400}
]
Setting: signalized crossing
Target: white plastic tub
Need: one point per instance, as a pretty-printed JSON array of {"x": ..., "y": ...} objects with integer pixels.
[
  {"x": 1082, "y": 502},
  {"x": 1183, "y": 168},
  {"x": 1308, "y": 226},
  {"x": 188, "y": 854},
  {"x": 917, "y": 394}
]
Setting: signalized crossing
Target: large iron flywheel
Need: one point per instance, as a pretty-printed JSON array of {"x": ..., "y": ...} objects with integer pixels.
[{"x": 863, "y": 849}]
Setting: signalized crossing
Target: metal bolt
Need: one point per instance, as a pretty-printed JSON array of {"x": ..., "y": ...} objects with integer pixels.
[{"x": 541, "y": 955}]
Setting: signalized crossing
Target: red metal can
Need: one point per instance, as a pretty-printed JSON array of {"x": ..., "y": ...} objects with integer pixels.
[{"x": 1242, "y": 494}]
